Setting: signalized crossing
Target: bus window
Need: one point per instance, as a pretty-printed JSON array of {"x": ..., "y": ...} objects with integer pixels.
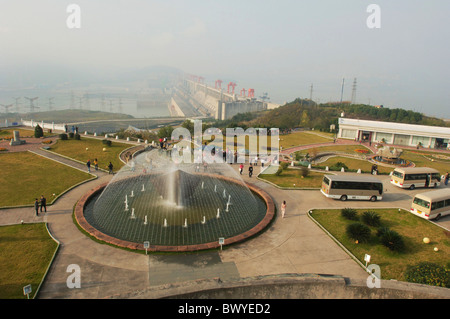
[
  {"x": 421, "y": 202},
  {"x": 397, "y": 174}
]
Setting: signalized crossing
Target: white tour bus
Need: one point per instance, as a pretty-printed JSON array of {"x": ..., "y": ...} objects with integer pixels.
[
  {"x": 345, "y": 187},
  {"x": 432, "y": 204},
  {"x": 412, "y": 177}
]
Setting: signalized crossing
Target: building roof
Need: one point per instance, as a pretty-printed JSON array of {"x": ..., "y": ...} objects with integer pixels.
[
  {"x": 354, "y": 178},
  {"x": 398, "y": 127}
]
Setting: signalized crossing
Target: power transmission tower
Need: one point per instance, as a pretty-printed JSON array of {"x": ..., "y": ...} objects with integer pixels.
[
  {"x": 354, "y": 92},
  {"x": 50, "y": 103},
  {"x": 120, "y": 105},
  {"x": 311, "y": 92},
  {"x": 72, "y": 100},
  {"x": 32, "y": 106},
  {"x": 6, "y": 107},
  {"x": 17, "y": 104},
  {"x": 103, "y": 102}
]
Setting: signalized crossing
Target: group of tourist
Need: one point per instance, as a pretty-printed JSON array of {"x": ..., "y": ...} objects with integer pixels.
[
  {"x": 88, "y": 164},
  {"x": 40, "y": 203}
]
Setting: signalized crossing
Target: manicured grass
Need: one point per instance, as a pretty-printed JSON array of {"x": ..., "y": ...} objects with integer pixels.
[
  {"x": 25, "y": 253},
  {"x": 354, "y": 164},
  {"x": 302, "y": 138},
  {"x": 8, "y": 133},
  {"x": 425, "y": 161},
  {"x": 292, "y": 178},
  {"x": 89, "y": 148},
  {"x": 412, "y": 228},
  {"x": 350, "y": 149},
  {"x": 26, "y": 176}
]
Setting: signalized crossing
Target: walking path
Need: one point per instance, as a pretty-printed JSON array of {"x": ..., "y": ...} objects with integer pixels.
[{"x": 293, "y": 244}]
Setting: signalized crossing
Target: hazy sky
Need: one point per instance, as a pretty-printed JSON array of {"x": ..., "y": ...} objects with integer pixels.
[{"x": 280, "y": 47}]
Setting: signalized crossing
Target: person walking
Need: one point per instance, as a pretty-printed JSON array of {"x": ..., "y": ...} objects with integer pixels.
[
  {"x": 283, "y": 209},
  {"x": 241, "y": 168},
  {"x": 446, "y": 177},
  {"x": 250, "y": 170},
  {"x": 36, "y": 207},
  {"x": 110, "y": 167},
  {"x": 88, "y": 164},
  {"x": 43, "y": 203},
  {"x": 96, "y": 164}
]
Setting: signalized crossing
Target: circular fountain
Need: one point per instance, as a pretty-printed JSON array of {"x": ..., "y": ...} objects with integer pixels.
[
  {"x": 390, "y": 156},
  {"x": 175, "y": 207}
]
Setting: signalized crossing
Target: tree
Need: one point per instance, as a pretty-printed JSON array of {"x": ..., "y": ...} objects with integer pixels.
[
  {"x": 38, "y": 131},
  {"x": 165, "y": 131}
]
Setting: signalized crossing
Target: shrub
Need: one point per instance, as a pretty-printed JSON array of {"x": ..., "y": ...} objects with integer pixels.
[
  {"x": 284, "y": 165},
  {"x": 38, "y": 131},
  {"x": 340, "y": 165},
  {"x": 63, "y": 136},
  {"x": 392, "y": 240},
  {"x": 77, "y": 136},
  {"x": 349, "y": 213},
  {"x": 371, "y": 219},
  {"x": 382, "y": 230},
  {"x": 279, "y": 171},
  {"x": 359, "y": 232},
  {"x": 71, "y": 134},
  {"x": 107, "y": 142},
  {"x": 429, "y": 274},
  {"x": 304, "y": 171}
]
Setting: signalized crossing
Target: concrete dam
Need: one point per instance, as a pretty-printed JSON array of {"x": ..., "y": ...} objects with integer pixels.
[{"x": 192, "y": 98}]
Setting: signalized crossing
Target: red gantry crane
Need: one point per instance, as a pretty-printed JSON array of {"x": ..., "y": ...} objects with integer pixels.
[
  {"x": 233, "y": 85},
  {"x": 251, "y": 93}
]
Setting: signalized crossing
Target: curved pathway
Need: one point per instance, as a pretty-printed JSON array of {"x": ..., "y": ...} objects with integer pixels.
[{"x": 293, "y": 244}]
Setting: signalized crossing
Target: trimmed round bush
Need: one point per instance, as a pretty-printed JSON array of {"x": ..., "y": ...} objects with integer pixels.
[
  {"x": 63, "y": 136},
  {"x": 107, "y": 142},
  {"x": 371, "y": 218},
  {"x": 349, "y": 213},
  {"x": 77, "y": 136},
  {"x": 429, "y": 274},
  {"x": 359, "y": 232},
  {"x": 392, "y": 240},
  {"x": 71, "y": 134}
]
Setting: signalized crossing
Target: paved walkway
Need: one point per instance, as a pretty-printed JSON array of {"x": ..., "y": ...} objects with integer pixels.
[{"x": 290, "y": 245}]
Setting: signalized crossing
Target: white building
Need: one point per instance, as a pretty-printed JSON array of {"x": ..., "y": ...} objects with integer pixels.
[{"x": 394, "y": 133}]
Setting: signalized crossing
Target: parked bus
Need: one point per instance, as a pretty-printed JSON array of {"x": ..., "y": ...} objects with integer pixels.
[
  {"x": 345, "y": 187},
  {"x": 432, "y": 205},
  {"x": 412, "y": 177}
]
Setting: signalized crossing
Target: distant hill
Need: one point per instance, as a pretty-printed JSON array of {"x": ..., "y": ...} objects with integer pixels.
[
  {"x": 308, "y": 114},
  {"x": 65, "y": 116}
]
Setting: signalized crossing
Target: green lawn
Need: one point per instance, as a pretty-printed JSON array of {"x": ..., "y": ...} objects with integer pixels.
[
  {"x": 353, "y": 164},
  {"x": 8, "y": 133},
  {"x": 425, "y": 160},
  {"x": 26, "y": 176},
  {"x": 292, "y": 178},
  {"x": 25, "y": 253},
  {"x": 302, "y": 138},
  {"x": 350, "y": 149},
  {"x": 89, "y": 148},
  {"x": 412, "y": 228}
]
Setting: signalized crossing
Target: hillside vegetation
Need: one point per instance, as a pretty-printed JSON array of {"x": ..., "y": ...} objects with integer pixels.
[{"x": 307, "y": 114}]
